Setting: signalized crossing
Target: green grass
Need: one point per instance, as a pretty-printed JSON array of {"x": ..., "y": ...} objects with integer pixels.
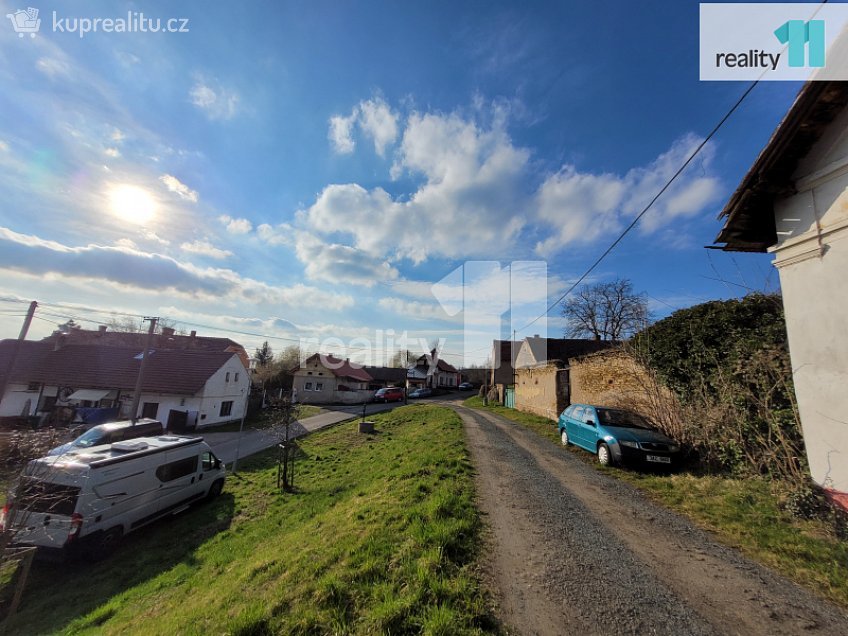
[
  {"x": 380, "y": 537},
  {"x": 262, "y": 420},
  {"x": 744, "y": 513}
]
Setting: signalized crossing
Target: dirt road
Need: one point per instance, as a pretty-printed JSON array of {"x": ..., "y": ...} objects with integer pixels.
[{"x": 573, "y": 551}]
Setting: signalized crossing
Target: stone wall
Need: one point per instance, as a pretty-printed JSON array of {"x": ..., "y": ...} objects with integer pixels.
[{"x": 542, "y": 390}]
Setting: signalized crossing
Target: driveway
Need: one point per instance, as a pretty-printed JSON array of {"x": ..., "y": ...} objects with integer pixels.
[{"x": 572, "y": 551}]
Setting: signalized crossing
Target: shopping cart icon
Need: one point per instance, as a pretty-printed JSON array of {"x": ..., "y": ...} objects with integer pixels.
[{"x": 25, "y": 21}]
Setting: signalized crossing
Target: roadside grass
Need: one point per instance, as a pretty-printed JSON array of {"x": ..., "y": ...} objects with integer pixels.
[
  {"x": 379, "y": 537},
  {"x": 261, "y": 420},
  {"x": 746, "y": 513}
]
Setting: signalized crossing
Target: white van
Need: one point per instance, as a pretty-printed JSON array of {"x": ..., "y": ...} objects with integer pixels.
[{"x": 87, "y": 499}]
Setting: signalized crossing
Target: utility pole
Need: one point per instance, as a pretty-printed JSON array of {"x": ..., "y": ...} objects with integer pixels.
[
  {"x": 22, "y": 336},
  {"x": 140, "y": 378}
]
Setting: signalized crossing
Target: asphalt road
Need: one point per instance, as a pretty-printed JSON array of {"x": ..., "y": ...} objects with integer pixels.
[{"x": 572, "y": 551}]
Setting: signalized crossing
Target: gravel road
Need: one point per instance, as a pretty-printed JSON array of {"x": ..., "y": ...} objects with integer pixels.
[{"x": 574, "y": 551}]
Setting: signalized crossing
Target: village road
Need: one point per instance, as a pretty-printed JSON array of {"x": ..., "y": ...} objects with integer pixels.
[{"x": 573, "y": 551}]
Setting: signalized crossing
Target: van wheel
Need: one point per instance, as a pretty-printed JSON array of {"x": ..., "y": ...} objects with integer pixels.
[
  {"x": 107, "y": 543},
  {"x": 215, "y": 489}
]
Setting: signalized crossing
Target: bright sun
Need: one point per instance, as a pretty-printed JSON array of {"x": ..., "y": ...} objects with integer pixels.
[{"x": 132, "y": 203}]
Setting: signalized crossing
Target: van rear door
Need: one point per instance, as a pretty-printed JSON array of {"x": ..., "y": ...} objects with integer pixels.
[{"x": 43, "y": 512}]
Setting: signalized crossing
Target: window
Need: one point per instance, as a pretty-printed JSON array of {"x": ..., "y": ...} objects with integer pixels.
[
  {"x": 33, "y": 386},
  {"x": 236, "y": 378},
  {"x": 226, "y": 408},
  {"x": 43, "y": 496},
  {"x": 308, "y": 386},
  {"x": 319, "y": 386},
  {"x": 177, "y": 469},
  {"x": 208, "y": 461},
  {"x": 150, "y": 409},
  {"x": 577, "y": 414},
  {"x": 227, "y": 377}
]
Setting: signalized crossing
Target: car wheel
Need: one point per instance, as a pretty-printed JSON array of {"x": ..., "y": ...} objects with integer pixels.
[
  {"x": 604, "y": 455},
  {"x": 564, "y": 437},
  {"x": 106, "y": 544},
  {"x": 215, "y": 489}
]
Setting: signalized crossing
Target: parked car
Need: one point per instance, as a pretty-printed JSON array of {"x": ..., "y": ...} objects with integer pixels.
[
  {"x": 421, "y": 393},
  {"x": 616, "y": 436},
  {"x": 110, "y": 433},
  {"x": 87, "y": 499},
  {"x": 466, "y": 386},
  {"x": 389, "y": 395}
]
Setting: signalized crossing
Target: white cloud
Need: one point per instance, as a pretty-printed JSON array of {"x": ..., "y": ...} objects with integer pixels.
[
  {"x": 4, "y": 147},
  {"x": 117, "y": 135},
  {"x": 340, "y": 133},
  {"x": 580, "y": 207},
  {"x": 378, "y": 121},
  {"x": 375, "y": 119},
  {"x": 51, "y": 66},
  {"x": 236, "y": 226},
  {"x": 215, "y": 100},
  {"x": 282, "y": 234},
  {"x": 179, "y": 188},
  {"x": 415, "y": 309},
  {"x": 205, "y": 248},
  {"x": 112, "y": 152},
  {"x": 337, "y": 263},
  {"x": 130, "y": 269}
]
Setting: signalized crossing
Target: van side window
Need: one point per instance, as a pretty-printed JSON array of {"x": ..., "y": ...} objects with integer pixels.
[
  {"x": 177, "y": 469},
  {"x": 208, "y": 461}
]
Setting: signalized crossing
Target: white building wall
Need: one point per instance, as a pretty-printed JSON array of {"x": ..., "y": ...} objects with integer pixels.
[
  {"x": 812, "y": 258},
  {"x": 15, "y": 400},
  {"x": 229, "y": 383}
]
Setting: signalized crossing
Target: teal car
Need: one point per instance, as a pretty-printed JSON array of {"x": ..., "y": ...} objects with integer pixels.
[{"x": 616, "y": 436}]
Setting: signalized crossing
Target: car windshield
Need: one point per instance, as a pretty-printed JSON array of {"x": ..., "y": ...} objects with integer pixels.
[
  {"x": 92, "y": 438},
  {"x": 624, "y": 419}
]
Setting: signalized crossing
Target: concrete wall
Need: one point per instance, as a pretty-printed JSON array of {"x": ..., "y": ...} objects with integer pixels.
[
  {"x": 812, "y": 258},
  {"x": 542, "y": 391}
]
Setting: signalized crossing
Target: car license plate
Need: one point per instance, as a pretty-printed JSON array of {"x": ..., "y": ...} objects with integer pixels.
[{"x": 659, "y": 459}]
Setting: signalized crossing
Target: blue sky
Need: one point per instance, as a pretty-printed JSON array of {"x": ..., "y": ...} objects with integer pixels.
[{"x": 310, "y": 169}]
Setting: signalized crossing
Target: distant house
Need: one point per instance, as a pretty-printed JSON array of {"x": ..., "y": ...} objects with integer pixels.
[
  {"x": 166, "y": 340},
  {"x": 542, "y": 384},
  {"x": 49, "y": 376},
  {"x": 325, "y": 379},
  {"x": 793, "y": 203},
  {"x": 382, "y": 377},
  {"x": 431, "y": 371},
  {"x": 502, "y": 357}
]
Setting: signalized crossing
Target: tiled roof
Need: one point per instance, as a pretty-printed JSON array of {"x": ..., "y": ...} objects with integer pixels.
[
  {"x": 108, "y": 367},
  {"x": 386, "y": 374},
  {"x": 341, "y": 368}
]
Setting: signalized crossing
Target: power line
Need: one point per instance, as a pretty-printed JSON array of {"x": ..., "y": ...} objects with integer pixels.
[{"x": 647, "y": 207}]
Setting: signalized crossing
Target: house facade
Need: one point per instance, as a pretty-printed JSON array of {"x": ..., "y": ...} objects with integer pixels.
[
  {"x": 432, "y": 372},
  {"x": 793, "y": 203},
  {"x": 78, "y": 382},
  {"x": 325, "y": 379}
]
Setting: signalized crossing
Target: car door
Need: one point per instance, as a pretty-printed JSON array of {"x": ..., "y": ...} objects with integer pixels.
[
  {"x": 572, "y": 426},
  {"x": 589, "y": 428},
  {"x": 177, "y": 480}
]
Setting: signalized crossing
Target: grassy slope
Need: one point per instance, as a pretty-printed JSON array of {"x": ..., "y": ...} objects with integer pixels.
[
  {"x": 379, "y": 538},
  {"x": 263, "y": 420},
  {"x": 744, "y": 513}
]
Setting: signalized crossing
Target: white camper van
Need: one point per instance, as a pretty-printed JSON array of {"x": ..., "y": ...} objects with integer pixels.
[{"x": 89, "y": 498}]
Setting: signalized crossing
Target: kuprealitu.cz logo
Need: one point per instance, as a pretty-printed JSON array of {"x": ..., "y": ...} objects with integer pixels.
[{"x": 27, "y": 22}]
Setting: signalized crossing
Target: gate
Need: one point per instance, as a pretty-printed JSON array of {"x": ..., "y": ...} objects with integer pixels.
[{"x": 509, "y": 397}]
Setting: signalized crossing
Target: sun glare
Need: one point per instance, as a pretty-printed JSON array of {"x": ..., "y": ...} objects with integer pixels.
[{"x": 132, "y": 203}]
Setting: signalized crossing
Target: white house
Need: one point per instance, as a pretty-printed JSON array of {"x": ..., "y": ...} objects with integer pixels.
[
  {"x": 431, "y": 371},
  {"x": 47, "y": 376},
  {"x": 793, "y": 203}
]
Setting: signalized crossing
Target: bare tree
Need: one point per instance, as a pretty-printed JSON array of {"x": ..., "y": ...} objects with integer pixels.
[{"x": 606, "y": 311}]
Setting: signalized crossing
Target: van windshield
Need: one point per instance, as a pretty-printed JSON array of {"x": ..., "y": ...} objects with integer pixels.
[
  {"x": 94, "y": 437},
  {"x": 35, "y": 495}
]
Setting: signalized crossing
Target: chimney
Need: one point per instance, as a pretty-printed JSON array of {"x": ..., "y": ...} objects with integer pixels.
[
  {"x": 60, "y": 341},
  {"x": 193, "y": 333},
  {"x": 535, "y": 335},
  {"x": 167, "y": 331},
  {"x": 101, "y": 330}
]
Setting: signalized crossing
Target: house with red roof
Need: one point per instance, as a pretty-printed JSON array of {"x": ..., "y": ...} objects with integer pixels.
[
  {"x": 41, "y": 378},
  {"x": 325, "y": 379},
  {"x": 432, "y": 372}
]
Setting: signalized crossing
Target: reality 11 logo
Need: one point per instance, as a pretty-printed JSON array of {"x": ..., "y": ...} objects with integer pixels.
[{"x": 801, "y": 35}]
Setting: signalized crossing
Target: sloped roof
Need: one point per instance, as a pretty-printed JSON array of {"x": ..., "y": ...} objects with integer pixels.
[
  {"x": 750, "y": 225},
  {"x": 441, "y": 365},
  {"x": 549, "y": 349},
  {"x": 107, "y": 367},
  {"x": 340, "y": 368},
  {"x": 386, "y": 374}
]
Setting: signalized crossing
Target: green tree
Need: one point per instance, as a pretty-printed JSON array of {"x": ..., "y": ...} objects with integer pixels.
[{"x": 264, "y": 354}]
